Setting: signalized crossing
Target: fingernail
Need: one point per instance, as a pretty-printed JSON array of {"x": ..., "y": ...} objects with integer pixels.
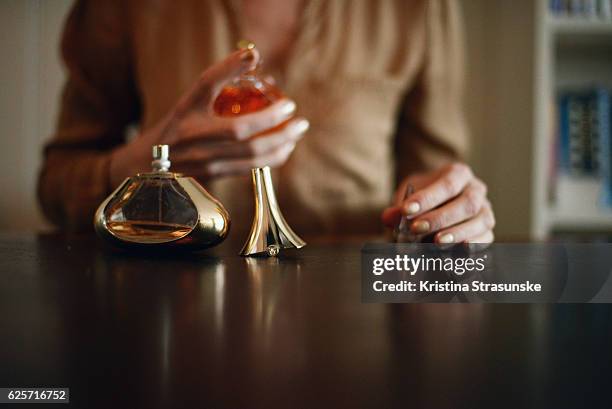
[
  {"x": 302, "y": 126},
  {"x": 288, "y": 107},
  {"x": 290, "y": 148},
  {"x": 412, "y": 208},
  {"x": 446, "y": 238},
  {"x": 420, "y": 226}
]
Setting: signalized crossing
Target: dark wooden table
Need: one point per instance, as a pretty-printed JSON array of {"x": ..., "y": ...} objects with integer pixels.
[{"x": 215, "y": 330}]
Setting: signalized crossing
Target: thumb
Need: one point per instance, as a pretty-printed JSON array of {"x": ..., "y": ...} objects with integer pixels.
[
  {"x": 217, "y": 75},
  {"x": 391, "y": 216},
  {"x": 233, "y": 66}
]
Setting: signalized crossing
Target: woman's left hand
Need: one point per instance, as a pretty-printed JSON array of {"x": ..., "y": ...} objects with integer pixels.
[{"x": 450, "y": 203}]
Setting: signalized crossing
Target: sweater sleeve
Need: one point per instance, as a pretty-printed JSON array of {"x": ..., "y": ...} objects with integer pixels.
[
  {"x": 99, "y": 100},
  {"x": 431, "y": 129}
]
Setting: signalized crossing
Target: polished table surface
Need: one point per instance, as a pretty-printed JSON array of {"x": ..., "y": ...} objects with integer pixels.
[{"x": 215, "y": 330}]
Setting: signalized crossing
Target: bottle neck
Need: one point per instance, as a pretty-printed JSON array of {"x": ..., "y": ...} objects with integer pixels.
[
  {"x": 161, "y": 158},
  {"x": 160, "y": 166}
]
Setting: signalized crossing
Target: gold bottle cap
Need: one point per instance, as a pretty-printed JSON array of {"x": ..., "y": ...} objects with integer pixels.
[
  {"x": 245, "y": 45},
  {"x": 249, "y": 45}
]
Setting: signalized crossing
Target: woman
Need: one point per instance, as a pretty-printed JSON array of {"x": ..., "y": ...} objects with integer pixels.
[{"x": 380, "y": 83}]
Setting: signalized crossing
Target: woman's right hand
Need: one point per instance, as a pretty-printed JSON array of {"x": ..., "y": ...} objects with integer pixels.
[{"x": 205, "y": 145}]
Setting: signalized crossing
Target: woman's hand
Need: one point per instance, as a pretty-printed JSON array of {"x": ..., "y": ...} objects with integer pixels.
[
  {"x": 205, "y": 145},
  {"x": 451, "y": 202}
]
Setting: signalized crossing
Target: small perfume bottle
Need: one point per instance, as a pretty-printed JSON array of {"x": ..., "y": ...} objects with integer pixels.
[
  {"x": 269, "y": 232},
  {"x": 248, "y": 93},
  {"x": 162, "y": 208}
]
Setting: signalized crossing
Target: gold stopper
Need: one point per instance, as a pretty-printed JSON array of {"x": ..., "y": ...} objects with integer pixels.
[
  {"x": 270, "y": 232},
  {"x": 245, "y": 45}
]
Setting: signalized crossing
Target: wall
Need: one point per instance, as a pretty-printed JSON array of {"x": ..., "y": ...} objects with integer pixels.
[
  {"x": 500, "y": 106},
  {"x": 31, "y": 77}
]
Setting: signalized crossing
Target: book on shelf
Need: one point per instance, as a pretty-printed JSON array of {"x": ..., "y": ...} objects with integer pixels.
[
  {"x": 601, "y": 9},
  {"x": 583, "y": 144},
  {"x": 605, "y": 145}
]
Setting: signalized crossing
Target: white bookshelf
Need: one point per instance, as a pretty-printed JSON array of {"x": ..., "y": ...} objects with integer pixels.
[
  {"x": 576, "y": 207},
  {"x": 570, "y": 52},
  {"x": 590, "y": 26}
]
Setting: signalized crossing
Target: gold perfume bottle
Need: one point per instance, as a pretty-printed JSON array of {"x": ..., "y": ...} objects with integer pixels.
[
  {"x": 162, "y": 209},
  {"x": 270, "y": 232}
]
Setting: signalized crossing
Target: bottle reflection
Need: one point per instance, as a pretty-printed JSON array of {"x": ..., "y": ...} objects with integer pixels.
[
  {"x": 267, "y": 279},
  {"x": 255, "y": 305},
  {"x": 179, "y": 308},
  {"x": 241, "y": 311}
]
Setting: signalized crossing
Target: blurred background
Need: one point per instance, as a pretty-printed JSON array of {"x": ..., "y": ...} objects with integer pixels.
[{"x": 539, "y": 81}]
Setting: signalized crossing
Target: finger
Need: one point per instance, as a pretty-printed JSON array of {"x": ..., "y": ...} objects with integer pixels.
[
  {"x": 485, "y": 238},
  {"x": 463, "y": 207},
  {"x": 238, "y": 63},
  {"x": 216, "y": 76},
  {"x": 452, "y": 181},
  {"x": 391, "y": 216},
  {"x": 196, "y": 127},
  {"x": 467, "y": 231},
  {"x": 207, "y": 151},
  {"x": 416, "y": 181},
  {"x": 401, "y": 192},
  {"x": 243, "y": 166},
  {"x": 248, "y": 125}
]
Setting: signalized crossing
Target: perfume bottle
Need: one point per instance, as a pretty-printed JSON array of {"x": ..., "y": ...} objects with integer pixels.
[
  {"x": 270, "y": 232},
  {"x": 162, "y": 209},
  {"x": 248, "y": 93}
]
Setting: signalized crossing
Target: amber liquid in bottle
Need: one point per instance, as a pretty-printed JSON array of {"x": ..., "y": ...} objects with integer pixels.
[
  {"x": 152, "y": 210},
  {"x": 248, "y": 94},
  {"x": 148, "y": 231}
]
